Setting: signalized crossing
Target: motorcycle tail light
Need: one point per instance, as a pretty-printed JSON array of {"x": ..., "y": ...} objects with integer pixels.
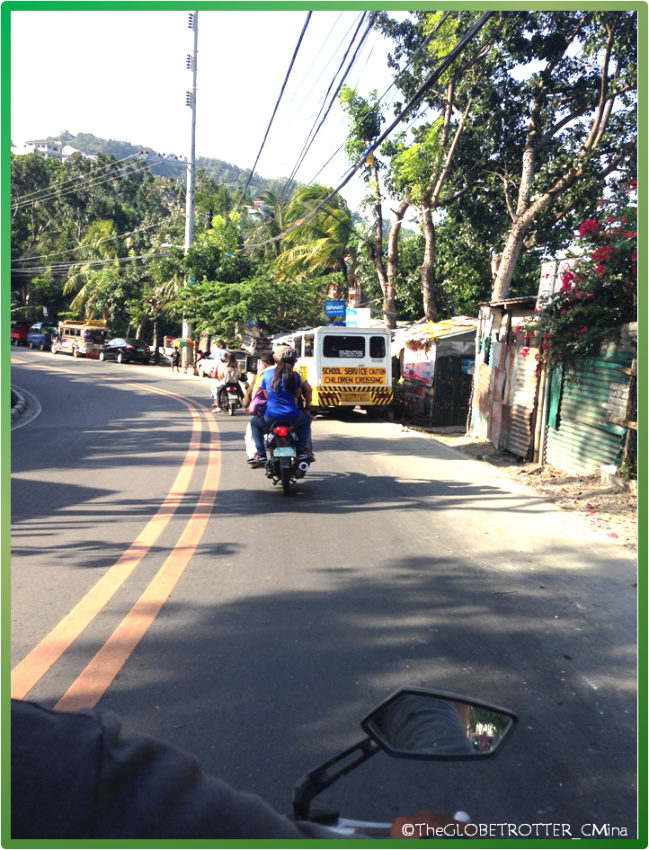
[{"x": 282, "y": 431}]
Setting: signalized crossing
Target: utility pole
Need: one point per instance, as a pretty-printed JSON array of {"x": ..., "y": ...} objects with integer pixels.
[{"x": 192, "y": 65}]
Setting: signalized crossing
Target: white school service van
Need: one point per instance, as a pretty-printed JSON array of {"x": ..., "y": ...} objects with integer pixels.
[{"x": 345, "y": 366}]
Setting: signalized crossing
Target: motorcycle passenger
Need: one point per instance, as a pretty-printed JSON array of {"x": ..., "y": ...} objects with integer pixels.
[
  {"x": 265, "y": 362},
  {"x": 282, "y": 387},
  {"x": 227, "y": 373}
]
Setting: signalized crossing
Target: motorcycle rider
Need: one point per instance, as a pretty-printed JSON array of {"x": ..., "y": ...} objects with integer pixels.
[
  {"x": 226, "y": 373},
  {"x": 282, "y": 387},
  {"x": 75, "y": 775}
]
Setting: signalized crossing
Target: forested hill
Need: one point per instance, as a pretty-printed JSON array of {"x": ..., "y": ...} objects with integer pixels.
[{"x": 221, "y": 172}]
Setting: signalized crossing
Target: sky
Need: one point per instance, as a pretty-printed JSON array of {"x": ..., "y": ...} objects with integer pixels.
[{"x": 122, "y": 75}]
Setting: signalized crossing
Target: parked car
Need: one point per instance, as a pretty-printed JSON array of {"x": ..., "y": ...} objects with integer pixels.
[
  {"x": 126, "y": 351},
  {"x": 40, "y": 336},
  {"x": 19, "y": 332}
]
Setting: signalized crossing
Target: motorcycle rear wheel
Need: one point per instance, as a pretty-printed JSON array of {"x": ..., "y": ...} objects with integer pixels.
[{"x": 286, "y": 480}]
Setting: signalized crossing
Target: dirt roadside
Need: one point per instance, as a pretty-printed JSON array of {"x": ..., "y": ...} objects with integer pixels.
[{"x": 603, "y": 507}]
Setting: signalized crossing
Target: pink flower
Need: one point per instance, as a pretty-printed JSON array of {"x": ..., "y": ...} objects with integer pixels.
[
  {"x": 525, "y": 352},
  {"x": 584, "y": 330}
]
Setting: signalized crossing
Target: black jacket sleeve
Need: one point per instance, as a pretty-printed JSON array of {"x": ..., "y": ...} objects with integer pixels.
[{"x": 75, "y": 776}]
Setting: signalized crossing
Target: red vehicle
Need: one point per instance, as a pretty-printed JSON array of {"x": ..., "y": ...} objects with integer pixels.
[{"x": 19, "y": 331}]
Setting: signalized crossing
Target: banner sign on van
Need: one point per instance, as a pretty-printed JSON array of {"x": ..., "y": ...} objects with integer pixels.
[
  {"x": 335, "y": 308},
  {"x": 354, "y": 376}
]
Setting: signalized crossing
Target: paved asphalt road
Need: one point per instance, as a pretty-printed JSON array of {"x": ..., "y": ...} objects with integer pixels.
[{"x": 396, "y": 561}]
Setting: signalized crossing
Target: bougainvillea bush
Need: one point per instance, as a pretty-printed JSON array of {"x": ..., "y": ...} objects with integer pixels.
[{"x": 599, "y": 294}]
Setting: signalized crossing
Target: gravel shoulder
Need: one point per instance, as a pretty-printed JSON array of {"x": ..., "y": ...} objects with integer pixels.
[{"x": 603, "y": 507}]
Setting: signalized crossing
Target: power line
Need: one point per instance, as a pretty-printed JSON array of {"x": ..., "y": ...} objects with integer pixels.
[
  {"x": 74, "y": 179},
  {"x": 311, "y": 66},
  {"x": 393, "y": 83},
  {"x": 63, "y": 267},
  {"x": 270, "y": 123},
  {"x": 314, "y": 131},
  {"x": 448, "y": 59},
  {"x": 91, "y": 184},
  {"x": 331, "y": 58},
  {"x": 99, "y": 242}
]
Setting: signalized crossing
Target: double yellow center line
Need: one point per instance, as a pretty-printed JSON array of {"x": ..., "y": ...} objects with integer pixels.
[{"x": 93, "y": 682}]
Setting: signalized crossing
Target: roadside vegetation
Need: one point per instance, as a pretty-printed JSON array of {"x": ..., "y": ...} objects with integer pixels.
[{"x": 525, "y": 139}]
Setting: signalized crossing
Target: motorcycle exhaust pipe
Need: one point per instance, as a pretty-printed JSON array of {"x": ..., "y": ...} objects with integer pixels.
[{"x": 303, "y": 466}]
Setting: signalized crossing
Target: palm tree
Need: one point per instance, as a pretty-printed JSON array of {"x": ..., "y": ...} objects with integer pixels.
[
  {"x": 99, "y": 243},
  {"x": 319, "y": 246}
]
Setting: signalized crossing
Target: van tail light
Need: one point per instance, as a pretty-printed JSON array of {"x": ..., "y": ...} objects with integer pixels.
[{"x": 282, "y": 431}]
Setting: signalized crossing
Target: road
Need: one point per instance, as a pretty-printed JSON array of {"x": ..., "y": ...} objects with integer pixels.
[{"x": 154, "y": 573}]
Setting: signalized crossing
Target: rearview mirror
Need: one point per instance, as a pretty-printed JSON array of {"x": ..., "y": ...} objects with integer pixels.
[{"x": 415, "y": 723}]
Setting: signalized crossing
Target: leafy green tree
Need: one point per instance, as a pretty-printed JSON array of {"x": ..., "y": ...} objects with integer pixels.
[
  {"x": 365, "y": 119},
  {"x": 554, "y": 136},
  {"x": 430, "y": 169},
  {"x": 222, "y": 308}
]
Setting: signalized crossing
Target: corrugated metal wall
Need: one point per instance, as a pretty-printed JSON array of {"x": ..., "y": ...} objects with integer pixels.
[
  {"x": 581, "y": 437},
  {"x": 520, "y": 402}
]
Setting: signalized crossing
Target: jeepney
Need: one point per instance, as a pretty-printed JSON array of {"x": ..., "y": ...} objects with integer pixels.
[
  {"x": 346, "y": 367},
  {"x": 81, "y": 339}
]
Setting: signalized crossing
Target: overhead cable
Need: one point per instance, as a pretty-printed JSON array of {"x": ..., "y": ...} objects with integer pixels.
[
  {"x": 306, "y": 74},
  {"x": 315, "y": 130},
  {"x": 74, "y": 179},
  {"x": 63, "y": 267},
  {"x": 393, "y": 83},
  {"x": 89, "y": 185},
  {"x": 24, "y": 260},
  {"x": 286, "y": 78},
  {"x": 448, "y": 59}
]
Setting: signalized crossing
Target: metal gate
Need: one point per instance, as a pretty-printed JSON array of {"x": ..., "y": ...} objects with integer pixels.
[{"x": 452, "y": 392}]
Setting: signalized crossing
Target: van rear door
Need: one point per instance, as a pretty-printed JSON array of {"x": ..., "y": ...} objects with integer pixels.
[{"x": 354, "y": 362}]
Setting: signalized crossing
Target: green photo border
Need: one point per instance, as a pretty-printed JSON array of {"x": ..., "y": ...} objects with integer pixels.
[{"x": 10, "y": 6}]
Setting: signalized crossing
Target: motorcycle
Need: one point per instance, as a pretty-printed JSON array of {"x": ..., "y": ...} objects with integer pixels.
[
  {"x": 230, "y": 399},
  {"x": 413, "y": 723},
  {"x": 281, "y": 450}
]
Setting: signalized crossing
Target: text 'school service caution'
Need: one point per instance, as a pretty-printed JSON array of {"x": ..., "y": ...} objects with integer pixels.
[{"x": 354, "y": 376}]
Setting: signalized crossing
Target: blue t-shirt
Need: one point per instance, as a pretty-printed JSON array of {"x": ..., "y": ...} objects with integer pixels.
[{"x": 281, "y": 405}]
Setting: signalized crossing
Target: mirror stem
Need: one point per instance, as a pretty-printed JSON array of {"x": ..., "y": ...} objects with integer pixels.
[{"x": 318, "y": 780}]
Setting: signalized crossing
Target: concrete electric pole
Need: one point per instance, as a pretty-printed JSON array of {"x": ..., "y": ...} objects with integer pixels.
[{"x": 192, "y": 65}]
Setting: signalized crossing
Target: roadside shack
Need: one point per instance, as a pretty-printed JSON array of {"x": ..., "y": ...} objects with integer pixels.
[{"x": 436, "y": 361}]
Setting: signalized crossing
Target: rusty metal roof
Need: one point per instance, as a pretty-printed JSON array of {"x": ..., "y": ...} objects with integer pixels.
[
  {"x": 438, "y": 330},
  {"x": 523, "y": 299}
]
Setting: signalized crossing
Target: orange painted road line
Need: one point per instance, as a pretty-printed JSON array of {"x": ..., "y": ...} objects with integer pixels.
[
  {"x": 90, "y": 686},
  {"x": 35, "y": 665}
]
